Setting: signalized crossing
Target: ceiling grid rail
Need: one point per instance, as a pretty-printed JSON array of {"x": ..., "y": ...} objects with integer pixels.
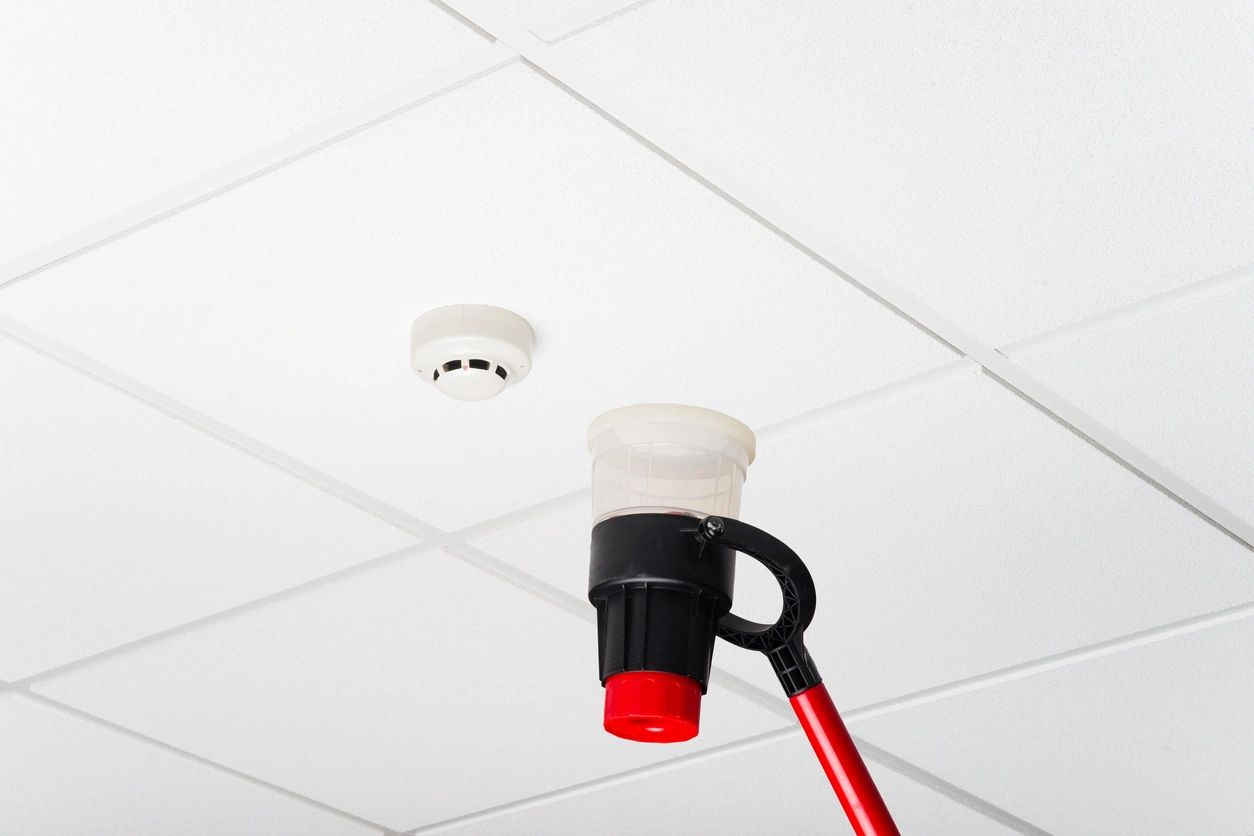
[{"x": 170, "y": 749}]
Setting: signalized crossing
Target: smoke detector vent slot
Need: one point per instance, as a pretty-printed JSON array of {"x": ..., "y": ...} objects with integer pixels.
[{"x": 471, "y": 352}]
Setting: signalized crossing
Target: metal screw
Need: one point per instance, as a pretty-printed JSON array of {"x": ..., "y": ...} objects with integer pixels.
[{"x": 714, "y": 527}]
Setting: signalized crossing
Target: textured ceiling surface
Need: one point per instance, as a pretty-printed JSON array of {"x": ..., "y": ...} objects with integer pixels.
[{"x": 981, "y": 277}]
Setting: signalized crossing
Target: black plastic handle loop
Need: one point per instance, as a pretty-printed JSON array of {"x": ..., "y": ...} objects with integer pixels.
[{"x": 782, "y": 642}]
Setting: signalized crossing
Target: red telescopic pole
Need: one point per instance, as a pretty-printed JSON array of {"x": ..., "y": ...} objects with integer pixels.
[
  {"x": 863, "y": 804},
  {"x": 660, "y": 705}
]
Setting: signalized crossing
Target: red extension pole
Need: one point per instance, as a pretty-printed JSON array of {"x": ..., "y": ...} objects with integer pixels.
[{"x": 842, "y": 763}]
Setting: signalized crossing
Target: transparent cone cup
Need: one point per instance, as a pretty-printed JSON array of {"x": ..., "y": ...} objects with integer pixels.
[{"x": 668, "y": 458}]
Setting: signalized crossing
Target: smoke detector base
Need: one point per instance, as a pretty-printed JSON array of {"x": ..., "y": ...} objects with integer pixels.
[{"x": 471, "y": 352}]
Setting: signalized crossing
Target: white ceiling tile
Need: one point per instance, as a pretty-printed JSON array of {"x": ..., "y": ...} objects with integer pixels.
[
  {"x": 415, "y": 692},
  {"x": 1179, "y": 385},
  {"x": 61, "y": 775},
  {"x": 106, "y": 105},
  {"x": 117, "y": 521},
  {"x": 773, "y": 787},
  {"x": 282, "y": 307},
  {"x": 1016, "y": 167},
  {"x": 950, "y": 533},
  {"x": 1154, "y": 741}
]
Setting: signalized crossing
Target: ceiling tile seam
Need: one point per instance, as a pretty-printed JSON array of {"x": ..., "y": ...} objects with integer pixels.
[
  {"x": 881, "y": 397},
  {"x": 522, "y": 580},
  {"x": 197, "y": 420},
  {"x": 1118, "y": 449},
  {"x": 522, "y": 515},
  {"x": 443, "y": 541},
  {"x": 587, "y": 15},
  {"x": 607, "y": 781},
  {"x": 753, "y": 693},
  {"x": 135, "y": 736},
  {"x": 875, "y": 754},
  {"x": 347, "y": 123},
  {"x": 999, "y": 676},
  {"x": 251, "y": 605},
  {"x": 668, "y": 143},
  {"x": 940, "y": 786},
  {"x": 1151, "y": 307},
  {"x": 154, "y": 399},
  {"x": 468, "y": 24},
  {"x": 1054, "y": 661},
  {"x": 299, "y": 145},
  {"x": 906, "y": 769}
]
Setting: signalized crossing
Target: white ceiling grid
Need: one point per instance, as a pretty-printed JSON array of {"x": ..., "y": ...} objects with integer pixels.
[{"x": 234, "y": 527}]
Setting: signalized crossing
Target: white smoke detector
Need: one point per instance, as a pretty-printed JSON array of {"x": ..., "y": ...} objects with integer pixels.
[{"x": 471, "y": 352}]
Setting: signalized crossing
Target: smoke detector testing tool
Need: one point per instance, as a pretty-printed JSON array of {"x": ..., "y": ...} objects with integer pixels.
[{"x": 666, "y": 484}]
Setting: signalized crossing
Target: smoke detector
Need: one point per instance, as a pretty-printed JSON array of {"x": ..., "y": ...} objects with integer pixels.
[{"x": 471, "y": 352}]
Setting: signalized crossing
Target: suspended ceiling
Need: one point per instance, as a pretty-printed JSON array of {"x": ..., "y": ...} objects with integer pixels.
[{"x": 978, "y": 275}]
